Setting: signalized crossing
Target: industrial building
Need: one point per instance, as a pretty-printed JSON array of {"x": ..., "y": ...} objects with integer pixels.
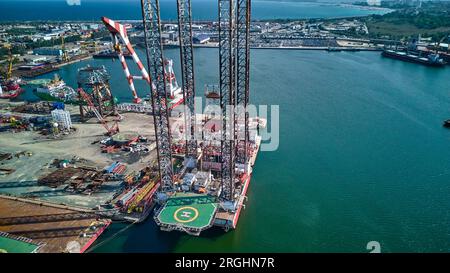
[{"x": 49, "y": 51}]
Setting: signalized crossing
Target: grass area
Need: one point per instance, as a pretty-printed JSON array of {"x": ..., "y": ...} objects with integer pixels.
[
  {"x": 430, "y": 20},
  {"x": 400, "y": 30}
]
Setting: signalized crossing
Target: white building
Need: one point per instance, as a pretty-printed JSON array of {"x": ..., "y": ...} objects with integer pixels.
[{"x": 62, "y": 118}]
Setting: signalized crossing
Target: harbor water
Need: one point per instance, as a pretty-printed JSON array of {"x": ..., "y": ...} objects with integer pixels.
[{"x": 362, "y": 157}]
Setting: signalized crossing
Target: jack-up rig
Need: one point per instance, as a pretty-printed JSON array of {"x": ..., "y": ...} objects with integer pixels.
[{"x": 204, "y": 176}]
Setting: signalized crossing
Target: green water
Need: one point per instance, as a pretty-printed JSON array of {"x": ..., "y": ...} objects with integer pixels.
[{"x": 363, "y": 157}]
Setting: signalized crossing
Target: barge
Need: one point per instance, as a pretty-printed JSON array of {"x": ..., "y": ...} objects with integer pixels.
[{"x": 111, "y": 55}]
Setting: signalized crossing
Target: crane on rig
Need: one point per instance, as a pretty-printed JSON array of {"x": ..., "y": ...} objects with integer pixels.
[
  {"x": 120, "y": 38},
  {"x": 119, "y": 33},
  {"x": 234, "y": 21}
]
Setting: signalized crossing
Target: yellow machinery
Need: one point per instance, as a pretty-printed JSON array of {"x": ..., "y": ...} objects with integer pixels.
[
  {"x": 65, "y": 57},
  {"x": 142, "y": 193},
  {"x": 8, "y": 73}
]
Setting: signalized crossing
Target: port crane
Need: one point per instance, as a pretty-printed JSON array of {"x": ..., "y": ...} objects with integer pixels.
[
  {"x": 10, "y": 63},
  {"x": 8, "y": 72},
  {"x": 438, "y": 44}
]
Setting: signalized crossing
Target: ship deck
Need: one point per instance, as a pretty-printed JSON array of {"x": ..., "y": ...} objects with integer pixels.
[{"x": 188, "y": 211}]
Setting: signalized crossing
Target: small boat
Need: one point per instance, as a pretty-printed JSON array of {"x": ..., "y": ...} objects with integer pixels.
[{"x": 446, "y": 123}]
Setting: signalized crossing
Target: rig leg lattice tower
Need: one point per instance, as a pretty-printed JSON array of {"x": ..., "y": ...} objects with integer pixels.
[
  {"x": 242, "y": 78},
  {"x": 155, "y": 62},
  {"x": 187, "y": 73},
  {"x": 227, "y": 45}
]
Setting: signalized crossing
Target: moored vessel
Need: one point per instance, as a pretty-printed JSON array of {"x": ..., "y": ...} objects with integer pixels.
[
  {"x": 430, "y": 60},
  {"x": 111, "y": 54},
  {"x": 56, "y": 90}
]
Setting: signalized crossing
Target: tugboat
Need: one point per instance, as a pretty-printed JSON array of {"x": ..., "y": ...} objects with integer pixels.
[
  {"x": 10, "y": 89},
  {"x": 446, "y": 123}
]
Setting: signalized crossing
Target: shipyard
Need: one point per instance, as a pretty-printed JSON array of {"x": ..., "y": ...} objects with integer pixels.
[
  {"x": 137, "y": 135},
  {"x": 100, "y": 160}
]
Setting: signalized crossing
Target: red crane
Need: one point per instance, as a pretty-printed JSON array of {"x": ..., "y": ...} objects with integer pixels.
[{"x": 110, "y": 130}]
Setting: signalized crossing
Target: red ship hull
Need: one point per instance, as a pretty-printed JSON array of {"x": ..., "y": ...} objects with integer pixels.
[{"x": 11, "y": 94}]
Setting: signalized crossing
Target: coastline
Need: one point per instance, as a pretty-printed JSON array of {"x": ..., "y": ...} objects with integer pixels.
[{"x": 296, "y": 48}]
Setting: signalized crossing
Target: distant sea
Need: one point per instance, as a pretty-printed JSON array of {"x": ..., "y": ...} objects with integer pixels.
[{"x": 202, "y": 10}]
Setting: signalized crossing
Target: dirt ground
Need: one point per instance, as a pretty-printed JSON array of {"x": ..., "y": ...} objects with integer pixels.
[{"x": 42, "y": 151}]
